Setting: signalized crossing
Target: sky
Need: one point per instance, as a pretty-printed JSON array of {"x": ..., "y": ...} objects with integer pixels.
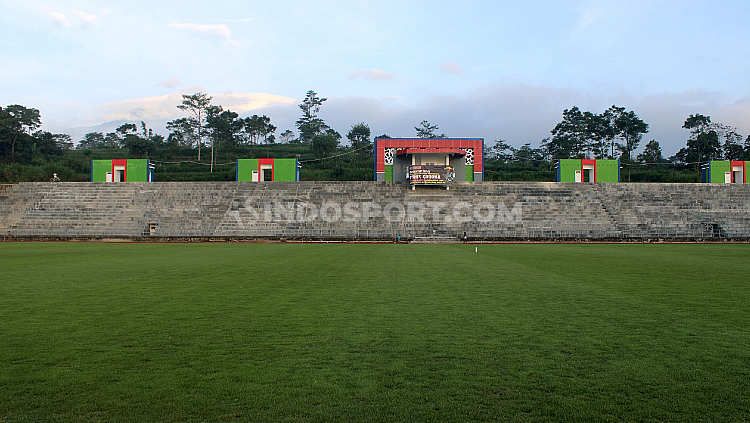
[{"x": 492, "y": 69}]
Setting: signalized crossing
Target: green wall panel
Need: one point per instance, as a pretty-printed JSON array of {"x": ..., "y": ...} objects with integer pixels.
[
  {"x": 469, "y": 173},
  {"x": 388, "y": 177},
  {"x": 607, "y": 171},
  {"x": 137, "y": 170},
  {"x": 99, "y": 169},
  {"x": 718, "y": 167},
  {"x": 245, "y": 168},
  {"x": 285, "y": 170},
  {"x": 568, "y": 169}
]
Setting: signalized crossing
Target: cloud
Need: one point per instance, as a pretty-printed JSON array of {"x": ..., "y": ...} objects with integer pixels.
[
  {"x": 587, "y": 18},
  {"x": 72, "y": 19},
  {"x": 240, "y": 20},
  {"x": 85, "y": 17},
  {"x": 59, "y": 18},
  {"x": 607, "y": 16},
  {"x": 372, "y": 75},
  {"x": 451, "y": 68},
  {"x": 171, "y": 83},
  {"x": 218, "y": 31},
  {"x": 165, "y": 106}
]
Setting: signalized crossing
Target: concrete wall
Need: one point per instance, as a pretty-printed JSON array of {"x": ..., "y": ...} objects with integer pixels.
[{"x": 240, "y": 210}]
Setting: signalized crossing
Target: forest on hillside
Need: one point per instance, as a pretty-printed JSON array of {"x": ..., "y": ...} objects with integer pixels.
[{"x": 204, "y": 143}]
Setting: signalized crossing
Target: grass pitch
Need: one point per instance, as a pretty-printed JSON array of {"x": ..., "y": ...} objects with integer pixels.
[{"x": 235, "y": 332}]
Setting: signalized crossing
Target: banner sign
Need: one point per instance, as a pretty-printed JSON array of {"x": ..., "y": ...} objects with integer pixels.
[{"x": 431, "y": 174}]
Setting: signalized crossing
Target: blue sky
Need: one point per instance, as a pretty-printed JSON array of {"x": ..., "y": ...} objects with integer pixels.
[{"x": 477, "y": 68}]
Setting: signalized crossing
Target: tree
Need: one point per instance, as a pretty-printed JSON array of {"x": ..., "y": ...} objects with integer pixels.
[
  {"x": 195, "y": 105},
  {"x": 359, "y": 135},
  {"x": 310, "y": 124},
  {"x": 427, "y": 130},
  {"x": 569, "y": 135},
  {"x": 287, "y": 136},
  {"x": 181, "y": 132},
  {"x": 596, "y": 134},
  {"x": 47, "y": 144},
  {"x": 501, "y": 150},
  {"x": 112, "y": 140},
  {"x": 611, "y": 116},
  {"x": 703, "y": 144},
  {"x": 126, "y": 129},
  {"x": 221, "y": 125},
  {"x": 630, "y": 129},
  {"x": 325, "y": 144},
  {"x": 651, "y": 153},
  {"x": 138, "y": 145},
  {"x": 527, "y": 153},
  {"x": 257, "y": 129},
  {"x": 17, "y": 122},
  {"x": 731, "y": 148},
  {"x": 697, "y": 123},
  {"x": 359, "y": 139},
  {"x": 92, "y": 140}
]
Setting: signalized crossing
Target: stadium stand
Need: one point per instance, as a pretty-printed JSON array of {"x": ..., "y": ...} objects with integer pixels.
[{"x": 295, "y": 211}]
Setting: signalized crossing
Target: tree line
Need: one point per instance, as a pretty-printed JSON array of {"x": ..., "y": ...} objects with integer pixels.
[
  {"x": 617, "y": 134},
  {"x": 205, "y": 140}
]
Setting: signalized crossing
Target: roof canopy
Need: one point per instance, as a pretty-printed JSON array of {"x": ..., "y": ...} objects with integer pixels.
[{"x": 430, "y": 150}]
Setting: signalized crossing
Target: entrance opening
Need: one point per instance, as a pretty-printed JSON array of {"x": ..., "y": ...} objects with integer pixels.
[
  {"x": 266, "y": 173},
  {"x": 119, "y": 174},
  {"x": 588, "y": 175}
]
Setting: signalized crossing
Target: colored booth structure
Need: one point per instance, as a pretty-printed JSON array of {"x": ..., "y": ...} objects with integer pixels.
[
  {"x": 591, "y": 171},
  {"x": 428, "y": 161},
  {"x": 267, "y": 170},
  {"x": 122, "y": 170},
  {"x": 724, "y": 172}
]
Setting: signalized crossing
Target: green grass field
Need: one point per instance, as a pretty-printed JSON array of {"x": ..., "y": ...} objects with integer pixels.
[{"x": 266, "y": 332}]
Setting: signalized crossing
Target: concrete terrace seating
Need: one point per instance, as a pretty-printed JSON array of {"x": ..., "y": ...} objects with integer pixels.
[{"x": 335, "y": 211}]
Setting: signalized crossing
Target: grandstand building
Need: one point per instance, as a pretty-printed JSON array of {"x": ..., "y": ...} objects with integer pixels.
[
  {"x": 431, "y": 161},
  {"x": 122, "y": 170},
  {"x": 267, "y": 170},
  {"x": 590, "y": 171}
]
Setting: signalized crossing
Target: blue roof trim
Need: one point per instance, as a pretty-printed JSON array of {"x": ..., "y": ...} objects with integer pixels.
[
  {"x": 483, "y": 154},
  {"x": 375, "y": 159}
]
